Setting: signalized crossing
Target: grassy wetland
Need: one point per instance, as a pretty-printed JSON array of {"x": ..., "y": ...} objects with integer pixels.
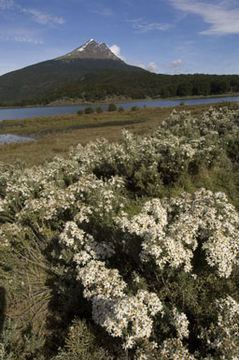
[
  {"x": 121, "y": 244},
  {"x": 55, "y": 134}
]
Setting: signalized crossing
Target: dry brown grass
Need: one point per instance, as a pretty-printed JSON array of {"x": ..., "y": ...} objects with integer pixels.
[{"x": 56, "y": 134}]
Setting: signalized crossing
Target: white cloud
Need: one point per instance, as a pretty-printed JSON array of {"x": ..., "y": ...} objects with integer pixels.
[
  {"x": 26, "y": 39},
  {"x": 116, "y": 50},
  {"x": 37, "y": 15},
  {"x": 6, "y": 4},
  {"x": 19, "y": 35},
  {"x": 141, "y": 26},
  {"x": 176, "y": 63},
  {"x": 140, "y": 65},
  {"x": 221, "y": 18},
  {"x": 20, "y": 38},
  {"x": 43, "y": 18},
  {"x": 104, "y": 12},
  {"x": 174, "y": 66},
  {"x": 152, "y": 66}
]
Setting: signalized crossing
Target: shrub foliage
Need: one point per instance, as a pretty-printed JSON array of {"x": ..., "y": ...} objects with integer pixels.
[{"x": 127, "y": 250}]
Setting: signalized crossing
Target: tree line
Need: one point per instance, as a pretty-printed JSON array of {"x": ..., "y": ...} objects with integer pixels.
[{"x": 98, "y": 86}]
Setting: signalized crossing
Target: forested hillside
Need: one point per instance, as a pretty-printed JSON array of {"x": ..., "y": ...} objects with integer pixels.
[
  {"x": 31, "y": 83},
  {"x": 93, "y": 73},
  {"x": 103, "y": 84}
]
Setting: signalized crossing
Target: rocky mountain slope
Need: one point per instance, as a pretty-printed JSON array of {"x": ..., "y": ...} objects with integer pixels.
[
  {"x": 92, "y": 72},
  {"x": 38, "y": 79},
  {"x": 91, "y": 50}
]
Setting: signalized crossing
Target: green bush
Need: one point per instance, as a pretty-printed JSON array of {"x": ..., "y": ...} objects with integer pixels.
[
  {"x": 82, "y": 343},
  {"x": 125, "y": 250},
  {"x": 80, "y": 112},
  {"x": 134, "y": 108},
  {"x": 112, "y": 107},
  {"x": 89, "y": 110},
  {"x": 120, "y": 109},
  {"x": 99, "y": 110}
]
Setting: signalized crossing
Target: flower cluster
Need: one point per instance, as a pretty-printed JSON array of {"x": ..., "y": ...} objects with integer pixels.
[
  {"x": 172, "y": 230},
  {"x": 144, "y": 262},
  {"x": 222, "y": 335},
  {"x": 180, "y": 144},
  {"x": 173, "y": 349},
  {"x": 128, "y": 317},
  {"x": 181, "y": 323}
]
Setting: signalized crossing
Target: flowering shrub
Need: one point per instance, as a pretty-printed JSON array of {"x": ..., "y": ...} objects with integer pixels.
[
  {"x": 173, "y": 230},
  {"x": 222, "y": 335},
  {"x": 156, "y": 275}
]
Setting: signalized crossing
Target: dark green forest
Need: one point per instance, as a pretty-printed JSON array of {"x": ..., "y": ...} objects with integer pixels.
[{"x": 131, "y": 84}]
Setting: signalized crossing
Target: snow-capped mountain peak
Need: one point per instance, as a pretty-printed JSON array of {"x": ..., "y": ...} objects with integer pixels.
[
  {"x": 91, "y": 50},
  {"x": 83, "y": 47}
]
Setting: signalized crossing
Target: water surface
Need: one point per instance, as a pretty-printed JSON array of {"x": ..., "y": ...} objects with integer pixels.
[
  {"x": 22, "y": 113},
  {"x": 9, "y": 138}
]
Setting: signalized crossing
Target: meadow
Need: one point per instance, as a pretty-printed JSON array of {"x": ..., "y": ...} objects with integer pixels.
[
  {"x": 55, "y": 134},
  {"x": 120, "y": 236}
]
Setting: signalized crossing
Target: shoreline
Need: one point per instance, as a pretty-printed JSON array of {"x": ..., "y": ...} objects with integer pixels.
[
  {"x": 118, "y": 101},
  {"x": 55, "y": 134}
]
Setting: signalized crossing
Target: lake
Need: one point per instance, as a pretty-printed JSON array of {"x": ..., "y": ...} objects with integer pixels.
[
  {"x": 22, "y": 113},
  {"x": 9, "y": 138}
]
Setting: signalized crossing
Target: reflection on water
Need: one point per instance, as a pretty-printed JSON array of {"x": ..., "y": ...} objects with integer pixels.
[{"x": 9, "y": 138}]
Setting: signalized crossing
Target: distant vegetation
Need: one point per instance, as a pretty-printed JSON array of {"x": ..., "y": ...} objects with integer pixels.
[
  {"x": 98, "y": 86},
  {"x": 89, "y": 110},
  {"x": 55, "y": 134},
  {"x": 96, "y": 75},
  {"x": 112, "y": 107},
  {"x": 99, "y": 110}
]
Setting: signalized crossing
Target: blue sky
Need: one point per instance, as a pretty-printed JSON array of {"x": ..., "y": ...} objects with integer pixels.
[{"x": 165, "y": 36}]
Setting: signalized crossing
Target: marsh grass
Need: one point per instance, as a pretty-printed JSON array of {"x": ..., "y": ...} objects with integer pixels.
[
  {"x": 56, "y": 134},
  {"x": 24, "y": 274}
]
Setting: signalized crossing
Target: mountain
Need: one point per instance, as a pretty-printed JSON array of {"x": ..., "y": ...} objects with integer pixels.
[
  {"x": 91, "y": 50},
  {"x": 36, "y": 80},
  {"x": 92, "y": 72}
]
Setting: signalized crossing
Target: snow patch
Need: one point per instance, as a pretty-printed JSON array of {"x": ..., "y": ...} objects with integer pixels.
[{"x": 82, "y": 48}]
